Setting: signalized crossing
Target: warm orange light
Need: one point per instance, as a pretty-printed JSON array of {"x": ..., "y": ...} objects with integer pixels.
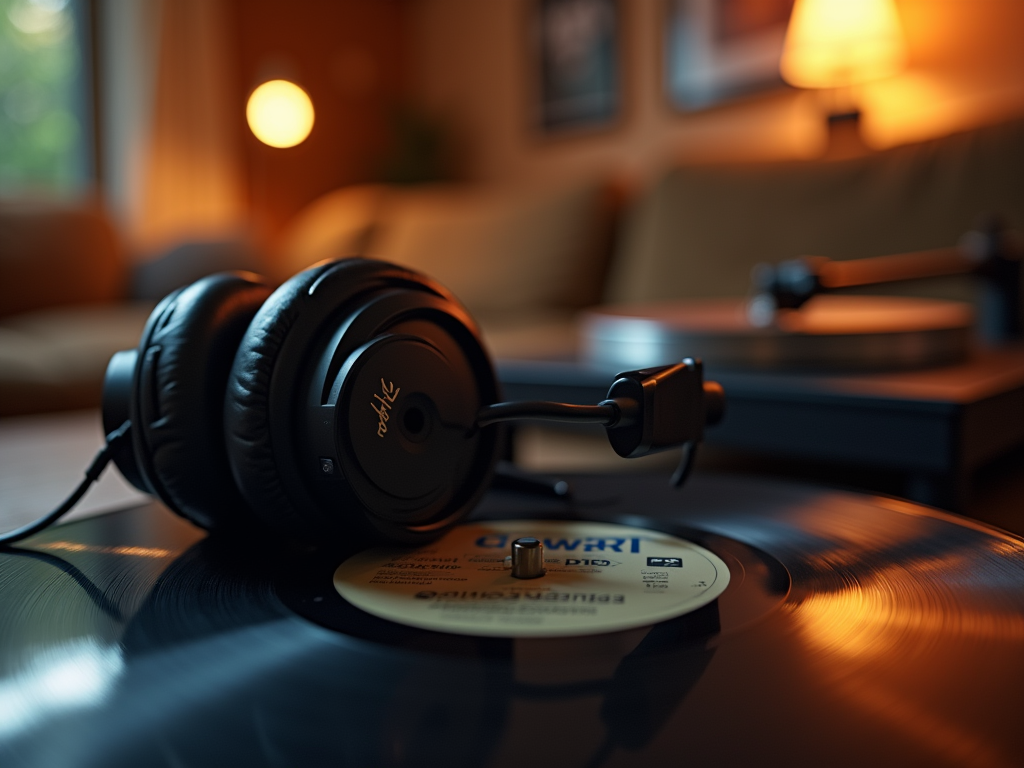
[
  {"x": 280, "y": 113},
  {"x": 835, "y": 43}
]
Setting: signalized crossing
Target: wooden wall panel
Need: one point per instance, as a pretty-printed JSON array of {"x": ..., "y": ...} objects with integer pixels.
[{"x": 350, "y": 56}]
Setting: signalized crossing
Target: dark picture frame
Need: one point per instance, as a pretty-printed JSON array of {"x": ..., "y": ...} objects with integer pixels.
[
  {"x": 577, "y": 54},
  {"x": 719, "y": 50}
]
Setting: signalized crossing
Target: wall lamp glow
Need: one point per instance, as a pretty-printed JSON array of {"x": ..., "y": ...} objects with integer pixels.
[{"x": 280, "y": 113}]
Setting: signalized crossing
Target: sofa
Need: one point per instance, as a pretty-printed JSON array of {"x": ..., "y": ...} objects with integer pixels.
[
  {"x": 524, "y": 259},
  {"x": 70, "y": 297},
  {"x": 699, "y": 230}
]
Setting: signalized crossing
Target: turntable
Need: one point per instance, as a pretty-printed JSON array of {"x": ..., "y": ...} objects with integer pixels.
[{"x": 904, "y": 381}]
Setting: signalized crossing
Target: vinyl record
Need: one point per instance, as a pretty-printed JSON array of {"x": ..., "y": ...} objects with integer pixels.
[
  {"x": 854, "y": 630},
  {"x": 830, "y": 333}
]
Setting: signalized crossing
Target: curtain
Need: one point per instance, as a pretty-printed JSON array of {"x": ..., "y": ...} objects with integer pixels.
[{"x": 170, "y": 152}]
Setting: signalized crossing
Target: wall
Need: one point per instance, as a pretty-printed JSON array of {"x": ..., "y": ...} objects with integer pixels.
[
  {"x": 130, "y": 34},
  {"x": 350, "y": 56},
  {"x": 190, "y": 185},
  {"x": 473, "y": 70},
  {"x": 966, "y": 68},
  {"x": 468, "y": 62},
  {"x": 179, "y": 160}
]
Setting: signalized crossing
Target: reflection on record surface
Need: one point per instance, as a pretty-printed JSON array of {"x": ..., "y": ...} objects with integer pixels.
[{"x": 853, "y": 629}]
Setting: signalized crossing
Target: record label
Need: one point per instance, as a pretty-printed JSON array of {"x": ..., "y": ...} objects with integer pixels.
[{"x": 599, "y": 578}]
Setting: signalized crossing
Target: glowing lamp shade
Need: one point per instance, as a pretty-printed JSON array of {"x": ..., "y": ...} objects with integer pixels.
[
  {"x": 280, "y": 113},
  {"x": 836, "y": 43}
]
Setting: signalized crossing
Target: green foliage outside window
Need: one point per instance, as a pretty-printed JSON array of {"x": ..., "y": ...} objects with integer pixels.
[{"x": 41, "y": 135}]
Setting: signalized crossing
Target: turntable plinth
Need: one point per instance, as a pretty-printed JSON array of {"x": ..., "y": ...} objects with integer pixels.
[
  {"x": 934, "y": 426},
  {"x": 829, "y": 333}
]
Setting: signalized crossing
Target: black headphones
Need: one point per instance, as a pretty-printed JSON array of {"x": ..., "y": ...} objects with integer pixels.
[
  {"x": 356, "y": 400},
  {"x": 346, "y": 400}
]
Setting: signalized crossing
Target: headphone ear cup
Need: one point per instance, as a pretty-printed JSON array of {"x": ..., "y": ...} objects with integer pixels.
[
  {"x": 178, "y": 396},
  {"x": 289, "y": 438}
]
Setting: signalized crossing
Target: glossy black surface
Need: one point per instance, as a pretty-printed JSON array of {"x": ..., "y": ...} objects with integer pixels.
[
  {"x": 855, "y": 630},
  {"x": 934, "y": 427}
]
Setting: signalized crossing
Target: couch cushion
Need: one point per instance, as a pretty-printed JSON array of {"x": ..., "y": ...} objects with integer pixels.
[
  {"x": 338, "y": 224},
  {"x": 52, "y": 255},
  {"x": 189, "y": 261},
  {"x": 700, "y": 230},
  {"x": 55, "y": 359},
  {"x": 500, "y": 250}
]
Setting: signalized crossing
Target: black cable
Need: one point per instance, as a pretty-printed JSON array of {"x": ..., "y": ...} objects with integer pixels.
[
  {"x": 606, "y": 413},
  {"x": 91, "y": 476},
  {"x": 686, "y": 463}
]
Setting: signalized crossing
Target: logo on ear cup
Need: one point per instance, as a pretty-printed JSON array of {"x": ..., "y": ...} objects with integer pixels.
[{"x": 382, "y": 408}]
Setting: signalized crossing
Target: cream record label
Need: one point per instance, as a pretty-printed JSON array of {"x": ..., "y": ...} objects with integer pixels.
[{"x": 598, "y": 578}]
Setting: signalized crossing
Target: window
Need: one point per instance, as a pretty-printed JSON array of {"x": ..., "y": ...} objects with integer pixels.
[{"x": 45, "y": 131}]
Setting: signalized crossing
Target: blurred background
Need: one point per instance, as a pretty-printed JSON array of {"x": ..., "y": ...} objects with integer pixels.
[
  {"x": 141, "y": 103},
  {"x": 537, "y": 156}
]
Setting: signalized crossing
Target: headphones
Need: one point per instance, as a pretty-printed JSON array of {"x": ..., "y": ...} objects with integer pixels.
[
  {"x": 343, "y": 402},
  {"x": 356, "y": 400}
]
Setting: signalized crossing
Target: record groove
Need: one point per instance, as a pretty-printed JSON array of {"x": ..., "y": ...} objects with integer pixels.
[{"x": 855, "y": 630}]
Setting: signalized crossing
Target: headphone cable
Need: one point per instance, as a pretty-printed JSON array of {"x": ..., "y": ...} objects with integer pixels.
[
  {"x": 606, "y": 412},
  {"x": 92, "y": 474}
]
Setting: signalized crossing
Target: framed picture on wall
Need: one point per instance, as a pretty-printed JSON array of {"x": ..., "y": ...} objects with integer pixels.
[
  {"x": 577, "y": 47},
  {"x": 717, "y": 50}
]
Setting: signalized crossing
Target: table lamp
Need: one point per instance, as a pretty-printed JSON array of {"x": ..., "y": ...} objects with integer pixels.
[{"x": 837, "y": 45}]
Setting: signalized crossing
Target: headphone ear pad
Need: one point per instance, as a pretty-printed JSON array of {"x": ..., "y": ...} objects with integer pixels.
[
  {"x": 181, "y": 374},
  {"x": 246, "y": 404},
  {"x": 278, "y": 427}
]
